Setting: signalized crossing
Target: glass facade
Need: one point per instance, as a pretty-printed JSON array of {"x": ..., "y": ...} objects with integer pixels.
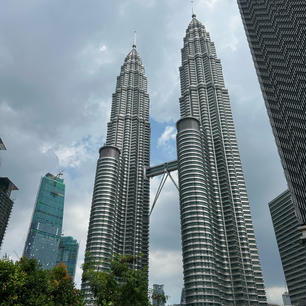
[
  {"x": 68, "y": 253},
  {"x": 46, "y": 227}
]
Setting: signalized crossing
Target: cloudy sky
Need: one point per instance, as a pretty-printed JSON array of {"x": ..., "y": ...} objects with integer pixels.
[{"x": 58, "y": 66}]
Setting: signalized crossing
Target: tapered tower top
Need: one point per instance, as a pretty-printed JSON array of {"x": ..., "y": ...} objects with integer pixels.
[
  {"x": 133, "y": 57},
  {"x": 133, "y": 54}
]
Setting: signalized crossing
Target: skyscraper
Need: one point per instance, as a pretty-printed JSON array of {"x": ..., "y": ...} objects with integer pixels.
[
  {"x": 276, "y": 31},
  {"x": 120, "y": 204},
  {"x": 2, "y": 146},
  {"x": 6, "y": 204},
  {"x": 291, "y": 249},
  {"x": 68, "y": 253},
  {"x": 46, "y": 226},
  {"x": 220, "y": 258}
]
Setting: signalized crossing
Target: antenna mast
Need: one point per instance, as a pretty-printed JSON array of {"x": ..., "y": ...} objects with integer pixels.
[
  {"x": 134, "y": 43},
  {"x": 193, "y": 14}
]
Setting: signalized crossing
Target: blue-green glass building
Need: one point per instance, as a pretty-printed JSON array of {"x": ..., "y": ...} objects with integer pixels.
[
  {"x": 68, "y": 253},
  {"x": 46, "y": 227}
]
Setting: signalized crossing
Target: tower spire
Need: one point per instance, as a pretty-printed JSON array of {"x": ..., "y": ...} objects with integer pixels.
[
  {"x": 134, "y": 43},
  {"x": 193, "y": 14}
]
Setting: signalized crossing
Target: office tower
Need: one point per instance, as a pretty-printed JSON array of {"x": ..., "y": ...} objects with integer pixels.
[
  {"x": 120, "y": 204},
  {"x": 157, "y": 295},
  {"x": 68, "y": 253},
  {"x": 46, "y": 226},
  {"x": 220, "y": 258},
  {"x": 276, "y": 31},
  {"x": 6, "y": 204},
  {"x": 291, "y": 249}
]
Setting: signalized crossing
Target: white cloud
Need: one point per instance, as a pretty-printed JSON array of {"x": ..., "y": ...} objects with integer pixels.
[
  {"x": 147, "y": 3},
  {"x": 125, "y": 5},
  {"x": 71, "y": 156},
  {"x": 168, "y": 134},
  {"x": 165, "y": 264},
  {"x": 274, "y": 294},
  {"x": 210, "y": 3},
  {"x": 166, "y": 268},
  {"x": 7, "y": 111},
  {"x": 233, "y": 37},
  {"x": 76, "y": 219},
  {"x": 93, "y": 56},
  {"x": 103, "y": 48}
]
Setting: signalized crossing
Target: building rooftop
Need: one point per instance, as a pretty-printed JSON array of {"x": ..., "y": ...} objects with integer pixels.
[
  {"x": 2, "y": 146},
  {"x": 6, "y": 180},
  {"x": 6, "y": 185}
]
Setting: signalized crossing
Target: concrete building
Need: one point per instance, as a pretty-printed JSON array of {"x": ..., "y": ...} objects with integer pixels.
[
  {"x": 276, "y": 31},
  {"x": 46, "y": 226},
  {"x": 291, "y": 249},
  {"x": 220, "y": 258},
  {"x": 2, "y": 146},
  {"x": 68, "y": 253},
  {"x": 119, "y": 219},
  {"x": 6, "y": 204}
]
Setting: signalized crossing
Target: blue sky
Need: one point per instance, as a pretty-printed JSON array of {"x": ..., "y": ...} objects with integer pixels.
[{"x": 58, "y": 67}]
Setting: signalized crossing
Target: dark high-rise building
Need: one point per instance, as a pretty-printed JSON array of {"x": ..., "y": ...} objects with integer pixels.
[
  {"x": 6, "y": 204},
  {"x": 2, "y": 146},
  {"x": 46, "y": 226},
  {"x": 119, "y": 222},
  {"x": 220, "y": 258},
  {"x": 276, "y": 31},
  {"x": 291, "y": 249},
  {"x": 68, "y": 253}
]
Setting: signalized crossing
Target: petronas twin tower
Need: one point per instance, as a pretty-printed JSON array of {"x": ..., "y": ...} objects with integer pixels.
[{"x": 220, "y": 258}]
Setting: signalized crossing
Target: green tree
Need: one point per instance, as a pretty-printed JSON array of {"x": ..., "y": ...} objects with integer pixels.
[
  {"x": 160, "y": 298},
  {"x": 122, "y": 285},
  {"x": 25, "y": 283}
]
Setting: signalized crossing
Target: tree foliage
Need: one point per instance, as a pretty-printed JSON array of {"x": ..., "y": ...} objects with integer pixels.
[
  {"x": 159, "y": 298},
  {"x": 120, "y": 286},
  {"x": 24, "y": 283}
]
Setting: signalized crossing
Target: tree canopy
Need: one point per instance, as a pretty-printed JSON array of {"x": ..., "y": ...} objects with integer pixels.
[
  {"x": 122, "y": 285},
  {"x": 25, "y": 283}
]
